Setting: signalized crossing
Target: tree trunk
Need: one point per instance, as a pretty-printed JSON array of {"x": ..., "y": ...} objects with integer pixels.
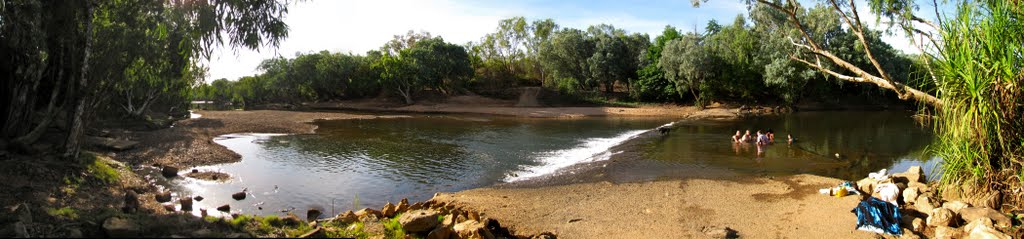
[{"x": 74, "y": 138}]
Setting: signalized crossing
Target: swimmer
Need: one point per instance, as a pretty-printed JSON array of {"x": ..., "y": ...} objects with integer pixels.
[
  {"x": 746, "y": 137},
  {"x": 736, "y": 137},
  {"x": 762, "y": 139},
  {"x": 771, "y": 136}
]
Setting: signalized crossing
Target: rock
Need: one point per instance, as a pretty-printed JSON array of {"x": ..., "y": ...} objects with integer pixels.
[
  {"x": 403, "y": 206},
  {"x": 169, "y": 171},
  {"x": 291, "y": 220},
  {"x": 20, "y": 230},
  {"x": 186, "y": 203},
  {"x": 163, "y": 197},
  {"x": 416, "y": 206},
  {"x": 366, "y": 212},
  {"x": 940, "y": 217},
  {"x": 867, "y": 185},
  {"x": 202, "y": 212},
  {"x": 238, "y": 196},
  {"x": 944, "y": 232},
  {"x": 74, "y": 233},
  {"x": 917, "y": 225},
  {"x": 169, "y": 207},
  {"x": 914, "y": 174},
  {"x": 544, "y": 235},
  {"x": 419, "y": 220},
  {"x": 203, "y": 233},
  {"x": 389, "y": 210},
  {"x": 982, "y": 229},
  {"x": 23, "y": 213},
  {"x": 439, "y": 233},
  {"x": 974, "y": 213},
  {"x": 923, "y": 204},
  {"x": 921, "y": 188},
  {"x": 239, "y": 235},
  {"x": 475, "y": 216},
  {"x": 198, "y": 198},
  {"x": 224, "y": 208},
  {"x": 346, "y": 217},
  {"x": 472, "y": 229},
  {"x": 449, "y": 220},
  {"x": 993, "y": 200},
  {"x": 910, "y": 195},
  {"x": 907, "y": 234},
  {"x": 131, "y": 202},
  {"x": 120, "y": 228},
  {"x": 312, "y": 214},
  {"x": 719, "y": 232},
  {"x": 955, "y": 206}
]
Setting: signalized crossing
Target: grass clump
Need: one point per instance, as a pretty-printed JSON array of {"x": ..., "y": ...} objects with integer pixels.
[
  {"x": 392, "y": 228},
  {"x": 64, "y": 213}
]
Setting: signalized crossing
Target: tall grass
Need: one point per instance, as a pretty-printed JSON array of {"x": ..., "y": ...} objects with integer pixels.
[{"x": 980, "y": 126}]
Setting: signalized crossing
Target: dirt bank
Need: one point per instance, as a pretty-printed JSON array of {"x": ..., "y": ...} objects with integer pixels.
[{"x": 786, "y": 207}]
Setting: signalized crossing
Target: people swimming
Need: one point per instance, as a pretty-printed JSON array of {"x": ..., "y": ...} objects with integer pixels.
[
  {"x": 762, "y": 139},
  {"x": 747, "y": 137},
  {"x": 790, "y": 139},
  {"x": 771, "y": 136},
  {"x": 736, "y": 138}
]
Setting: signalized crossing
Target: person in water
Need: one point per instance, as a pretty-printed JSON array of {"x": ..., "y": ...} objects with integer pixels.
[
  {"x": 790, "y": 138},
  {"x": 736, "y": 137},
  {"x": 746, "y": 137},
  {"x": 771, "y": 136},
  {"x": 762, "y": 139}
]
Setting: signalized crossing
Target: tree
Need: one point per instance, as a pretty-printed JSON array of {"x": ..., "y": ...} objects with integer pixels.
[
  {"x": 651, "y": 84},
  {"x": 399, "y": 73},
  {"x": 443, "y": 66},
  {"x": 565, "y": 56},
  {"x": 688, "y": 63}
]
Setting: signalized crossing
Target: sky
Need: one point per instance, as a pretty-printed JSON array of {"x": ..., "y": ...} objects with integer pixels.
[{"x": 359, "y": 26}]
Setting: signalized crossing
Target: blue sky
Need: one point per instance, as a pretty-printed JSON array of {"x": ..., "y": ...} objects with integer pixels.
[{"x": 359, "y": 26}]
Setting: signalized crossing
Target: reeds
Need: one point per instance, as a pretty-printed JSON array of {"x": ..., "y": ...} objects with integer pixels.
[{"x": 980, "y": 126}]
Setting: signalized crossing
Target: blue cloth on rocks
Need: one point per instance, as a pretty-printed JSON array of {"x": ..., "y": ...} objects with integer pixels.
[{"x": 875, "y": 215}]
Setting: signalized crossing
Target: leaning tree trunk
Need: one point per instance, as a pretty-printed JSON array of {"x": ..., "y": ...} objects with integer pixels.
[{"x": 74, "y": 136}]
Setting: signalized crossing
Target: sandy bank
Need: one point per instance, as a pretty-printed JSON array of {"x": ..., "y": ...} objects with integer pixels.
[
  {"x": 786, "y": 207},
  {"x": 716, "y": 112}
]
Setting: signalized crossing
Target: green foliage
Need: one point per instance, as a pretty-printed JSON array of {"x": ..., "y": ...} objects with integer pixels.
[
  {"x": 979, "y": 126},
  {"x": 392, "y": 228},
  {"x": 67, "y": 213}
]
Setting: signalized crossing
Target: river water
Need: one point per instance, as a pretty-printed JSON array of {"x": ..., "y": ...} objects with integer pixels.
[{"x": 351, "y": 164}]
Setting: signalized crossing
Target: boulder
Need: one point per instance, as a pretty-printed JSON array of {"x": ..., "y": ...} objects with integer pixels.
[
  {"x": 955, "y": 206},
  {"x": 238, "y": 196},
  {"x": 449, "y": 221},
  {"x": 475, "y": 216},
  {"x": 389, "y": 210},
  {"x": 163, "y": 197},
  {"x": 982, "y": 229},
  {"x": 347, "y": 217},
  {"x": 186, "y": 203},
  {"x": 907, "y": 234},
  {"x": 472, "y": 229},
  {"x": 915, "y": 174},
  {"x": 910, "y": 195},
  {"x": 972, "y": 214},
  {"x": 923, "y": 204},
  {"x": 944, "y": 232},
  {"x": 719, "y": 232},
  {"x": 312, "y": 214},
  {"x": 867, "y": 185},
  {"x": 921, "y": 188},
  {"x": 367, "y": 213},
  {"x": 117, "y": 227},
  {"x": 419, "y": 220},
  {"x": 440, "y": 233},
  {"x": 169, "y": 171},
  {"x": 202, "y": 212},
  {"x": 917, "y": 225},
  {"x": 403, "y": 206},
  {"x": 940, "y": 217},
  {"x": 416, "y": 206},
  {"x": 224, "y": 208}
]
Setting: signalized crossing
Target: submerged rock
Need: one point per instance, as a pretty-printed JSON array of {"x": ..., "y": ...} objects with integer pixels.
[
  {"x": 117, "y": 227},
  {"x": 312, "y": 214},
  {"x": 224, "y": 208},
  {"x": 419, "y": 220},
  {"x": 198, "y": 198},
  {"x": 169, "y": 171},
  {"x": 238, "y": 196}
]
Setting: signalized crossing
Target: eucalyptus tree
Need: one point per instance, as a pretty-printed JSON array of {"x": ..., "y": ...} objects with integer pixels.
[
  {"x": 399, "y": 73},
  {"x": 565, "y": 56},
  {"x": 441, "y": 65},
  {"x": 688, "y": 62}
]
